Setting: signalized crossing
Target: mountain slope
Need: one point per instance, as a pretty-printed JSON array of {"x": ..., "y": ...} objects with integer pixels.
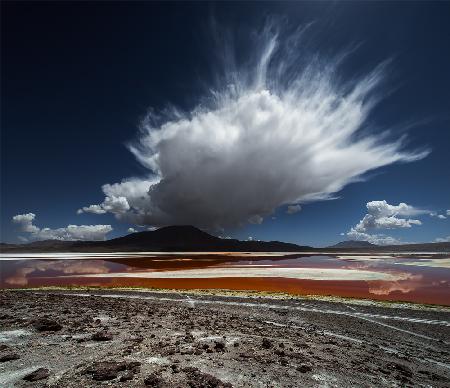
[
  {"x": 191, "y": 239},
  {"x": 168, "y": 239},
  {"x": 353, "y": 244}
]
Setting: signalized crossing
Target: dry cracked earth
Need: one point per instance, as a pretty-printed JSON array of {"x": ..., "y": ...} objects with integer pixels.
[{"x": 155, "y": 339}]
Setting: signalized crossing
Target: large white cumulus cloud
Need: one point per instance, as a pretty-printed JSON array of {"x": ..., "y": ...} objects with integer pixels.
[
  {"x": 25, "y": 221},
  {"x": 69, "y": 233},
  {"x": 382, "y": 215},
  {"x": 282, "y": 131}
]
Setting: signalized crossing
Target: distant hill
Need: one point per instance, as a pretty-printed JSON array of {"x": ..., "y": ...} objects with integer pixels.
[
  {"x": 353, "y": 244},
  {"x": 443, "y": 247},
  {"x": 167, "y": 239},
  {"x": 191, "y": 239}
]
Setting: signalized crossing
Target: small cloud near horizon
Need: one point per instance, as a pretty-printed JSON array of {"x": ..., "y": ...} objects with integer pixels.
[
  {"x": 381, "y": 215},
  {"x": 69, "y": 233}
]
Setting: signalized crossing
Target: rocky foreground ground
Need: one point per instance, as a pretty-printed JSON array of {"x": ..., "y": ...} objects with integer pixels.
[{"x": 154, "y": 339}]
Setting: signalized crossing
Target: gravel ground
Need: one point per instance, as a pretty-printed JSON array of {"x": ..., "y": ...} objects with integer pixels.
[{"x": 168, "y": 339}]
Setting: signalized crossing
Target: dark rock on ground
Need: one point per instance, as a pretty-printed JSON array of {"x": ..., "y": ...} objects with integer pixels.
[
  {"x": 45, "y": 324},
  {"x": 155, "y": 380},
  {"x": 38, "y": 374},
  {"x": 199, "y": 379},
  {"x": 266, "y": 344},
  {"x": 304, "y": 368},
  {"x": 219, "y": 347},
  {"x": 402, "y": 369},
  {"x": 102, "y": 336},
  {"x": 109, "y": 370},
  {"x": 9, "y": 357},
  {"x": 127, "y": 376}
]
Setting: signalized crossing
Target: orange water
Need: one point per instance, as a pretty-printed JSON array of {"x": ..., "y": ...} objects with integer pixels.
[{"x": 424, "y": 283}]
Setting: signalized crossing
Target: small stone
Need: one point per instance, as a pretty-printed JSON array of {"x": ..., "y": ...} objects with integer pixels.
[
  {"x": 219, "y": 347},
  {"x": 45, "y": 324},
  {"x": 266, "y": 344},
  {"x": 102, "y": 336},
  {"x": 9, "y": 357},
  {"x": 109, "y": 370},
  {"x": 304, "y": 368},
  {"x": 38, "y": 374},
  {"x": 155, "y": 381},
  {"x": 199, "y": 379},
  {"x": 127, "y": 376}
]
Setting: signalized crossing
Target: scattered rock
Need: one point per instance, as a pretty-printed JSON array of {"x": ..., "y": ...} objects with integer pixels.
[
  {"x": 9, "y": 357},
  {"x": 266, "y": 344},
  {"x": 155, "y": 380},
  {"x": 198, "y": 379},
  {"x": 402, "y": 369},
  {"x": 304, "y": 368},
  {"x": 127, "y": 376},
  {"x": 45, "y": 324},
  {"x": 219, "y": 347},
  {"x": 102, "y": 336},
  {"x": 280, "y": 353},
  {"x": 109, "y": 370},
  {"x": 38, "y": 374}
]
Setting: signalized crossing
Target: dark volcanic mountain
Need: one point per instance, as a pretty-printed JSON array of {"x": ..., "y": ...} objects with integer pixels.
[
  {"x": 191, "y": 239},
  {"x": 353, "y": 244},
  {"x": 167, "y": 239}
]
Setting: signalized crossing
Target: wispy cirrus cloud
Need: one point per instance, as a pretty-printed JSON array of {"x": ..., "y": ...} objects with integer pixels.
[{"x": 437, "y": 215}]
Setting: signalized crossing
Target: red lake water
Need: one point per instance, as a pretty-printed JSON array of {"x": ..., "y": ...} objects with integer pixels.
[{"x": 423, "y": 278}]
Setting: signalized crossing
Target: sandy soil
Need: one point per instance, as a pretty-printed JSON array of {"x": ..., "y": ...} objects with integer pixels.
[{"x": 164, "y": 339}]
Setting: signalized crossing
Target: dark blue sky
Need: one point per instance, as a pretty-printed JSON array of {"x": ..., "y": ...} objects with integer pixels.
[{"x": 77, "y": 78}]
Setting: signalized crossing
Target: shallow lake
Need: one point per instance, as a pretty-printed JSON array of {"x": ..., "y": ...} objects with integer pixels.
[{"x": 423, "y": 278}]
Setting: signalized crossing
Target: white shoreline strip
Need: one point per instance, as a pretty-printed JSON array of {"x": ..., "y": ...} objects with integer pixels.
[
  {"x": 256, "y": 272},
  {"x": 273, "y": 306}
]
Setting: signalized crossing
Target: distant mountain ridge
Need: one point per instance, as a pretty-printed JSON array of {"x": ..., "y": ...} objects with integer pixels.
[
  {"x": 191, "y": 239},
  {"x": 182, "y": 238},
  {"x": 353, "y": 244}
]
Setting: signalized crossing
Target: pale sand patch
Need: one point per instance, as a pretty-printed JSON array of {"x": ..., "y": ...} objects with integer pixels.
[
  {"x": 9, "y": 378},
  {"x": 417, "y": 262},
  {"x": 273, "y": 272},
  {"x": 436, "y": 263},
  {"x": 365, "y": 257},
  {"x": 157, "y": 360},
  {"x": 9, "y": 335}
]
